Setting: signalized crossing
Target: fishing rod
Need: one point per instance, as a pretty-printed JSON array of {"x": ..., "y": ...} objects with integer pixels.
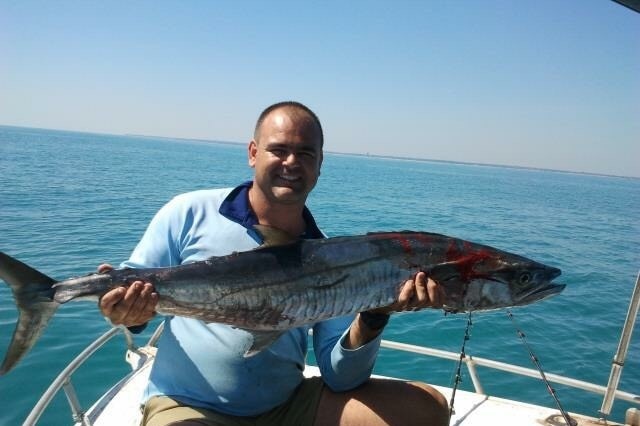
[
  {"x": 568, "y": 420},
  {"x": 458, "y": 377}
]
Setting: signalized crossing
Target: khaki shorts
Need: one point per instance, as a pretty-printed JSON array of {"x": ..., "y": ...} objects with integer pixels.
[{"x": 299, "y": 410}]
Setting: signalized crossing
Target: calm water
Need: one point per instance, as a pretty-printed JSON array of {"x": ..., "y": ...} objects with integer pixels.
[{"x": 69, "y": 201}]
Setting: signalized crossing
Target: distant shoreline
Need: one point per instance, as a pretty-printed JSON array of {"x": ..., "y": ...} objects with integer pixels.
[
  {"x": 394, "y": 157},
  {"x": 355, "y": 154}
]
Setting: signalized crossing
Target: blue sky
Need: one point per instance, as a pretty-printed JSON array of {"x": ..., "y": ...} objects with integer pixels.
[{"x": 551, "y": 84}]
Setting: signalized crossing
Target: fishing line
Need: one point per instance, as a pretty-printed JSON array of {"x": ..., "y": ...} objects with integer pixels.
[
  {"x": 568, "y": 420},
  {"x": 462, "y": 356}
]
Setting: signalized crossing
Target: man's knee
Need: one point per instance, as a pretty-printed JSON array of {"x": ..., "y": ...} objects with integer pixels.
[
  {"x": 436, "y": 405},
  {"x": 388, "y": 402},
  {"x": 432, "y": 393}
]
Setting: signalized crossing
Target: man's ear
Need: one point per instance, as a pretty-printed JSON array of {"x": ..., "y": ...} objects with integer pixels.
[{"x": 252, "y": 151}]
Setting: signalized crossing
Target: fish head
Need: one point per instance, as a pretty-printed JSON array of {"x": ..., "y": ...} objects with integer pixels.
[
  {"x": 486, "y": 280},
  {"x": 516, "y": 284}
]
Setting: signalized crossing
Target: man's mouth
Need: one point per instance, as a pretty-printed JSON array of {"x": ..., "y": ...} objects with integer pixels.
[{"x": 289, "y": 178}]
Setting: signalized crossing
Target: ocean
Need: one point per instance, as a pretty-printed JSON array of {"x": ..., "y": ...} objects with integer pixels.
[{"x": 70, "y": 201}]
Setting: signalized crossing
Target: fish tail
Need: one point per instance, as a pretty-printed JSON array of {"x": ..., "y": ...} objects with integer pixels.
[{"x": 33, "y": 292}]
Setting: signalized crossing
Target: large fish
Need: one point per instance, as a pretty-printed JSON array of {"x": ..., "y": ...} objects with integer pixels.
[{"x": 271, "y": 289}]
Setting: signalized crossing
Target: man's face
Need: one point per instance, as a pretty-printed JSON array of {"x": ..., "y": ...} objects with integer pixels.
[{"x": 286, "y": 157}]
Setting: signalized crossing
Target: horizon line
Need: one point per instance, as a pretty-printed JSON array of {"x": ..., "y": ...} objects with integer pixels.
[{"x": 356, "y": 154}]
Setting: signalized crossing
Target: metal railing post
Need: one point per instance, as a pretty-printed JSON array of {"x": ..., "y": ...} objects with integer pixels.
[
  {"x": 471, "y": 366},
  {"x": 621, "y": 353},
  {"x": 59, "y": 381},
  {"x": 72, "y": 397}
]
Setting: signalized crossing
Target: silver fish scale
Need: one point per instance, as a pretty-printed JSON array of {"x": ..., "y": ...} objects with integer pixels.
[
  {"x": 291, "y": 302},
  {"x": 364, "y": 287}
]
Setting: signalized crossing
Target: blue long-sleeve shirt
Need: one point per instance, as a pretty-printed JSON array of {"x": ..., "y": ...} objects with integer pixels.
[{"x": 203, "y": 364}]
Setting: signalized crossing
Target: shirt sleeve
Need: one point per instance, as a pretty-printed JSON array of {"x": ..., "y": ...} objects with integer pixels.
[
  {"x": 159, "y": 246},
  {"x": 342, "y": 369}
]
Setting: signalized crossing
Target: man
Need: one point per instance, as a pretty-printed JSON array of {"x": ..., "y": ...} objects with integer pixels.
[{"x": 200, "y": 375}]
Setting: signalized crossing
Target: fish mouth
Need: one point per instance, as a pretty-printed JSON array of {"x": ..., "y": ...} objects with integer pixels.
[
  {"x": 553, "y": 274},
  {"x": 540, "y": 293}
]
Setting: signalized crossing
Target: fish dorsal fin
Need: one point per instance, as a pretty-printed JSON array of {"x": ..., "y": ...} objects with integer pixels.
[{"x": 273, "y": 236}]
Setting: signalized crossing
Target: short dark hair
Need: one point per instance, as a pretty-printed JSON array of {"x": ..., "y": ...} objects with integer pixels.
[{"x": 289, "y": 104}]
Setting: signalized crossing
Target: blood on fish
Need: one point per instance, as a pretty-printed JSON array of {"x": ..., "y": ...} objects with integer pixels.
[
  {"x": 406, "y": 245},
  {"x": 466, "y": 259},
  {"x": 400, "y": 238}
]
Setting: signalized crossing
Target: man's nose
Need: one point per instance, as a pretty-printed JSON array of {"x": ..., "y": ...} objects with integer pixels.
[{"x": 290, "y": 159}]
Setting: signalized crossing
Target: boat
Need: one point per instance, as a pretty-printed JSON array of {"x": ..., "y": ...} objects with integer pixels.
[{"x": 121, "y": 403}]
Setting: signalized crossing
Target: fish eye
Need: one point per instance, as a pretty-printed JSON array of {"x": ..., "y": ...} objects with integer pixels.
[{"x": 525, "y": 278}]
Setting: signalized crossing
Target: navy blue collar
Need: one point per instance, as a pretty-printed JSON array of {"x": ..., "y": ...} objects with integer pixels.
[{"x": 236, "y": 207}]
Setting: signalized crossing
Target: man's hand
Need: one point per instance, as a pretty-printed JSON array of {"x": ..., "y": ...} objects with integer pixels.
[
  {"x": 128, "y": 306},
  {"x": 417, "y": 293}
]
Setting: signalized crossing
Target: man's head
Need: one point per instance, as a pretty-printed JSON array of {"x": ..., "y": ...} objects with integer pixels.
[
  {"x": 286, "y": 152},
  {"x": 295, "y": 108}
]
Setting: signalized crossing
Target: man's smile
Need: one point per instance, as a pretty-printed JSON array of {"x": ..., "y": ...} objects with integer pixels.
[{"x": 289, "y": 177}]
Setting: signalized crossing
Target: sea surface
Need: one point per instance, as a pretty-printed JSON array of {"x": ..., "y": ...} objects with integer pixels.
[{"x": 70, "y": 201}]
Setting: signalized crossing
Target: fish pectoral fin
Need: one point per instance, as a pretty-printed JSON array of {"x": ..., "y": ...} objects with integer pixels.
[{"x": 261, "y": 340}]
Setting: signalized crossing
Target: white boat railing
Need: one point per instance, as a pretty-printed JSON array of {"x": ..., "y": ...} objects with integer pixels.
[
  {"x": 64, "y": 381},
  {"x": 471, "y": 363}
]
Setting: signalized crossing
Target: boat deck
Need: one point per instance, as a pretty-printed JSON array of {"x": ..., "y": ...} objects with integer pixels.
[{"x": 118, "y": 405}]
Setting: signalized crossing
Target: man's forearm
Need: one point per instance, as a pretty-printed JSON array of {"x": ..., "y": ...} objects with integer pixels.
[{"x": 364, "y": 329}]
